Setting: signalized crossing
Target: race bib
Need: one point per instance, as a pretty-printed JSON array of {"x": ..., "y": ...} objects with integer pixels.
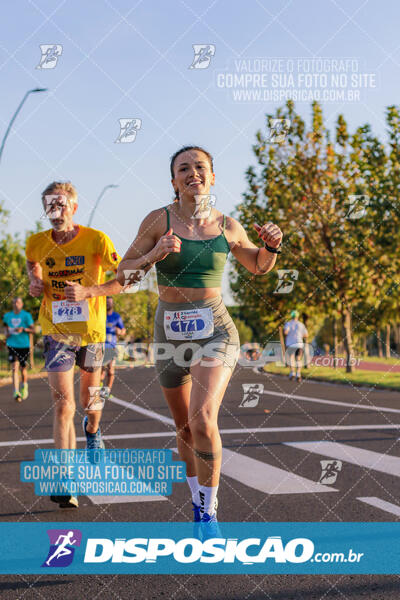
[
  {"x": 189, "y": 324},
  {"x": 66, "y": 311}
]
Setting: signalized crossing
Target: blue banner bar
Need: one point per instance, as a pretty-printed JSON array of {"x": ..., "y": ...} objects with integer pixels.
[{"x": 156, "y": 548}]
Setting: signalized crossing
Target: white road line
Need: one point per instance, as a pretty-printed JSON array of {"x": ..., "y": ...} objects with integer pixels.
[
  {"x": 167, "y": 420},
  {"x": 334, "y": 402},
  {"x": 384, "y": 463},
  {"x": 264, "y": 477},
  {"x": 117, "y": 436},
  {"x": 29, "y": 442},
  {"x": 394, "y": 509},
  {"x": 310, "y": 428},
  {"x": 128, "y": 436},
  {"x": 267, "y": 478},
  {"x": 154, "y": 415},
  {"x": 142, "y": 411},
  {"x": 124, "y": 499}
]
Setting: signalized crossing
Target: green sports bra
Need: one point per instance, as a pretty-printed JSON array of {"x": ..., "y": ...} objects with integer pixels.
[{"x": 199, "y": 264}]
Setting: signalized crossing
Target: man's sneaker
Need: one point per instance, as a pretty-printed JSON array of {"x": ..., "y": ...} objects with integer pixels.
[
  {"x": 93, "y": 441},
  {"x": 196, "y": 513},
  {"x": 298, "y": 378},
  {"x": 65, "y": 501},
  {"x": 24, "y": 391},
  {"x": 291, "y": 376},
  {"x": 209, "y": 527},
  {"x": 17, "y": 397}
]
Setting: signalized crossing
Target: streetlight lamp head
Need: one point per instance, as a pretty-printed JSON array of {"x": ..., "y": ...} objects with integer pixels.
[{"x": 20, "y": 105}]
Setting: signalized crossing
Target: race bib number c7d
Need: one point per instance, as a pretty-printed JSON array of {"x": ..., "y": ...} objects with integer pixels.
[
  {"x": 192, "y": 324},
  {"x": 66, "y": 311}
]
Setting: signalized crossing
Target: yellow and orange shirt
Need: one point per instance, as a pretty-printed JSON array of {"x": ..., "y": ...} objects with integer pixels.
[{"x": 85, "y": 259}]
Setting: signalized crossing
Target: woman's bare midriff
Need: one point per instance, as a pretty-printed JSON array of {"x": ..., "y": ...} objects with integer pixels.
[{"x": 181, "y": 294}]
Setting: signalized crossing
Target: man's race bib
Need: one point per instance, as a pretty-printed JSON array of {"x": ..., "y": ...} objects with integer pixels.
[
  {"x": 189, "y": 324},
  {"x": 66, "y": 311}
]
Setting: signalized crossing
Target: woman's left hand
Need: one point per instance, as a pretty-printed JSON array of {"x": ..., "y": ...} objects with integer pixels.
[{"x": 270, "y": 234}]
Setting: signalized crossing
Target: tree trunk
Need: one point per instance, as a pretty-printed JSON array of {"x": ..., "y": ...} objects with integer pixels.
[
  {"x": 335, "y": 342},
  {"x": 396, "y": 334},
  {"x": 379, "y": 342},
  {"x": 31, "y": 348},
  {"x": 397, "y": 328},
  {"x": 348, "y": 341},
  {"x": 282, "y": 341},
  {"x": 364, "y": 346},
  {"x": 387, "y": 341}
]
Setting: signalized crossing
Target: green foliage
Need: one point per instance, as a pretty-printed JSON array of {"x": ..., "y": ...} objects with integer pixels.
[
  {"x": 137, "y": 312},
  {"x": 13, "y": 277},
  {"x": 347, "y": 266},
  {"x": 244, "y": 331}
]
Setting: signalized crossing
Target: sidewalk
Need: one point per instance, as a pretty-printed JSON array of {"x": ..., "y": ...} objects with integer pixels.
[
  {"x": 375, "y": 366},
  {"x": 358, "y": 364}
]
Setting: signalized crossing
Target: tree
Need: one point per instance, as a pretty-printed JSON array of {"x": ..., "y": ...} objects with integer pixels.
[
  {"x": 138, "y": 309},
  {"x": 14, "y": 280},
  {"x": 307, "y": 185}
]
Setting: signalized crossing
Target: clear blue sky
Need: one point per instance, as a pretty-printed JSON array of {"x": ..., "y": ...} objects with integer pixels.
[{"x": 127, "y": 59}]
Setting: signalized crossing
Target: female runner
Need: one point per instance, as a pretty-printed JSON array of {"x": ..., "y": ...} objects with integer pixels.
[{"x": 189, "y": 247}]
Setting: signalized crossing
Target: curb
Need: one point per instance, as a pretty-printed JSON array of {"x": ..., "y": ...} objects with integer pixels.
[{"x": 8, "y": 380}]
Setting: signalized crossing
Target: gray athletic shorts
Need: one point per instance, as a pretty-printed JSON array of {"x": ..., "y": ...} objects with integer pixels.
[{"x": 173, "y": 365}]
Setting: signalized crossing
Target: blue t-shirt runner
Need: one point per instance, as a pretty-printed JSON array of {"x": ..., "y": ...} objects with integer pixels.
[
  {"x": 14, "y": 321},
  {"x": 18, "y": 344},
  {"x": 113, "y": 322}
]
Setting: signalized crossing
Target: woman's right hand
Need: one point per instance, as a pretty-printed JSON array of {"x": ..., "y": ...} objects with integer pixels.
[{"x": 166, "y": 244}]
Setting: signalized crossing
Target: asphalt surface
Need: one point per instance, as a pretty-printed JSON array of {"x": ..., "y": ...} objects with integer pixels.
[{"x": 248, "y": 490}]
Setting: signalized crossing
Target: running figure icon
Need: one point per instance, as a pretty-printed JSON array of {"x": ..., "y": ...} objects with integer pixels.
[{"x": 62, "y": 549}]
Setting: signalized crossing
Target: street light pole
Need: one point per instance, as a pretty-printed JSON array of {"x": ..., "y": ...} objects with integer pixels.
[
  {"x": 111, "y": 185},
  {"x": 16, "y": 114}
]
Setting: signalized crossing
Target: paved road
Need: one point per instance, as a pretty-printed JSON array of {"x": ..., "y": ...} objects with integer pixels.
[{"x": 271, "y": 471}]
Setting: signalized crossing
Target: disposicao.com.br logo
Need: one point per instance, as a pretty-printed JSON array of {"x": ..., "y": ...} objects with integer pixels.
[{"x": 215, "y": 550}]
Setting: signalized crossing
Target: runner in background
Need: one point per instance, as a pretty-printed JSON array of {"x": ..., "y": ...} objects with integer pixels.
[
  {"x": 67, "y": 264},
  {"x": 18, "y": 325},
  {"x": 114, "y": 329},
  {"x": 295, "y": 332}
]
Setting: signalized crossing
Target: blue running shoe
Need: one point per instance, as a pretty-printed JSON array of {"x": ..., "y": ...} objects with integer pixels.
[
  {"x": 93, "y": 441},
  {"x": 196, "y": 513},
  {"x": 209, "y": 527}
]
